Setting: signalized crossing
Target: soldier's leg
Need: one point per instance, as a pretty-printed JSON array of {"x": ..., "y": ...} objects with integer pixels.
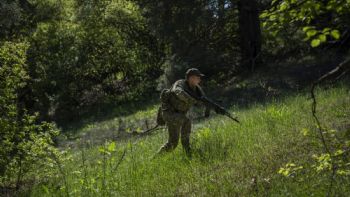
[
  {"x": 185, "y": 136},
  {"x": 174, "y": 132}
]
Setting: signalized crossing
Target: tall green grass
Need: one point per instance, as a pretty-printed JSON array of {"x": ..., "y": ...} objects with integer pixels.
[{"x": 228, "y": 159}]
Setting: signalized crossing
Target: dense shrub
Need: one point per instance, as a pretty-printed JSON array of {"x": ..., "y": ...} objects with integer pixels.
[{"x": 25, "y": 143}]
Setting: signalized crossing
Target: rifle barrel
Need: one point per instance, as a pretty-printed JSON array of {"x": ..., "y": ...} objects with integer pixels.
[{"x": 213, "y": 105}]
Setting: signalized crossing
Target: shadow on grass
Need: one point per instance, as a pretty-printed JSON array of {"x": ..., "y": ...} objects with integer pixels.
[
  {"x": 270, "y": 83},
  {"x": 275, "y": 82},
  {"x": 108, "y": 111}
]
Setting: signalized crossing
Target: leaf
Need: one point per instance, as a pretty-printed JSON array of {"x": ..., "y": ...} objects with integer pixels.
[
  {"x": 315, "y": 43},
  {"x": 290, "y": 165},
  {"x": 264, "y": 15},
  {"x": 317, "y": 6},
  {"x": 338, "y": 152},
  {"x": 343, "y": 172},
  {"x": 305, "y": 131},
  {"x": 335, "y": 34},
  {"x": 306, "y": 39},
  {"x": 327, "y": 29},
  {"x": 322, "y": 38},
  {"x": 46, "y": 189},
  {"x": 273, "y": 17},
  {"x": 283, "y": 6},
  {"x": 101, "y": 150},
  {"x": 264, "y": 24},
  {"x": 111, "y": 147},
  {"x": 311, "y": 33},
  {"x": 307, "y": 28}
]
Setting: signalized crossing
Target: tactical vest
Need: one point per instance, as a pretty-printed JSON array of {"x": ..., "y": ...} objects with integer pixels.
[{"x": 169, "y": 101}]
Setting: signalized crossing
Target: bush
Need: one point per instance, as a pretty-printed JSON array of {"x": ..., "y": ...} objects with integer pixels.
[{"x": 25, "y": 144}]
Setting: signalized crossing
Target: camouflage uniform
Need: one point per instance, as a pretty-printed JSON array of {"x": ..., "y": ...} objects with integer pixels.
[{"x": 174, "y": 112}]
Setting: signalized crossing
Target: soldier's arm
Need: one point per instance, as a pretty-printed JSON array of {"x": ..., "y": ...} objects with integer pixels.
[{"x": 179, "y": 91}]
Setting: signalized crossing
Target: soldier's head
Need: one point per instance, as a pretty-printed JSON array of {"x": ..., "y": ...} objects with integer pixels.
[{"x": 193, "y": 76}]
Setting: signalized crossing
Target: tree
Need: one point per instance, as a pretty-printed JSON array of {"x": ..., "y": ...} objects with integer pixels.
[
  {"x": 200, "y": 33},
  {"x": 25, "y": 142},
  {"x": 250, "y": 33},
  {"x": 106, "y": 54},
  {"x": 19, "y": 17}
]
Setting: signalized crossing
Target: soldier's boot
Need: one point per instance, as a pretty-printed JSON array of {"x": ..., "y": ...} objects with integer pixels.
[{"x": 185, "y": 137}]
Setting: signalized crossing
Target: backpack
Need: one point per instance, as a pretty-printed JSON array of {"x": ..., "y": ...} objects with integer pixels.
[
  {"x": 164, "y": 98},
  {"x": 160, "y": 119}
]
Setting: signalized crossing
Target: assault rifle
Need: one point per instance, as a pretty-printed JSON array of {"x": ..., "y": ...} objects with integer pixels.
[{"x": 218, "y": 109}]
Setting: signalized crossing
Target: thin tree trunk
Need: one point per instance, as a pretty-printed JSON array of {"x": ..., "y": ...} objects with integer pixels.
[
  {"x": 221, "y": 9},
  {"x": 250, "y": 33}
]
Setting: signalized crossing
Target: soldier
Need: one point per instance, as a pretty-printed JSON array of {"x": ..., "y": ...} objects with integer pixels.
[{"x": 175, "y": 104}]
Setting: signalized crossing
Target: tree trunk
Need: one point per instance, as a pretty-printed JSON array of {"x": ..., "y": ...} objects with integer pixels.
[
  {"x": 250, "y": 34},
  {"x": 221, "y": 9}
]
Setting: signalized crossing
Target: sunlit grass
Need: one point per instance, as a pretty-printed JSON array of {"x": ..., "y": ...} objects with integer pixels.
[{"x": 228, "y": 159}]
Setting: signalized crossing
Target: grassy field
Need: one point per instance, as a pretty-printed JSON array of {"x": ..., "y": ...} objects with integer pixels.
[{"x": 229, "y": 159}]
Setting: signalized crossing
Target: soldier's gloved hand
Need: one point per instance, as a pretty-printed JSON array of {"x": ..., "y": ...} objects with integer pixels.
[
  {"x": 219, "y": 110},
  {"x": 207, "y": 112},
  {"x": 201, "y": 98}
]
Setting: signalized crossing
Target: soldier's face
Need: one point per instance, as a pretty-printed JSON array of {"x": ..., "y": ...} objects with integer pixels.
[{"x": 194, "y": 80}]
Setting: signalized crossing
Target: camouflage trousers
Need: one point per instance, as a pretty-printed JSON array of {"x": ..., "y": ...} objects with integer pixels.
[{"x": 178, "y": 125}]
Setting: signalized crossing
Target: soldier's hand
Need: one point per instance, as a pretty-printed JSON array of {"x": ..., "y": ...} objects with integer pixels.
[
  {"x": 207, "y": 112},
  {"x": 220, "y": 110}
]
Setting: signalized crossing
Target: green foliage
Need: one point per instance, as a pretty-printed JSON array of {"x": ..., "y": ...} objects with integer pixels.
[
  {"x": 323, "y": 163},
  {"x": 103, "y": 53},
  {"x": 19, "y": 17},
  {"x": 25, "y": 143},
  {"x": 290, "y": 170},
  {"x": 319, "y": 21},
  {"x": 332, "y": 157}
]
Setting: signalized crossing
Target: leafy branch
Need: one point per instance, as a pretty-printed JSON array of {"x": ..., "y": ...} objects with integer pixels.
[{"x": 337, "y": 72}]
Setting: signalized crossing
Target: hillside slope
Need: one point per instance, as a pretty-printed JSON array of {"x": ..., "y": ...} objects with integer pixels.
[{"x": 229, "y": 159}]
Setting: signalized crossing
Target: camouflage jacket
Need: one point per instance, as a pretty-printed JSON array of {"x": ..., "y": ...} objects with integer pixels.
[{"x": 180, "y": 100}]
